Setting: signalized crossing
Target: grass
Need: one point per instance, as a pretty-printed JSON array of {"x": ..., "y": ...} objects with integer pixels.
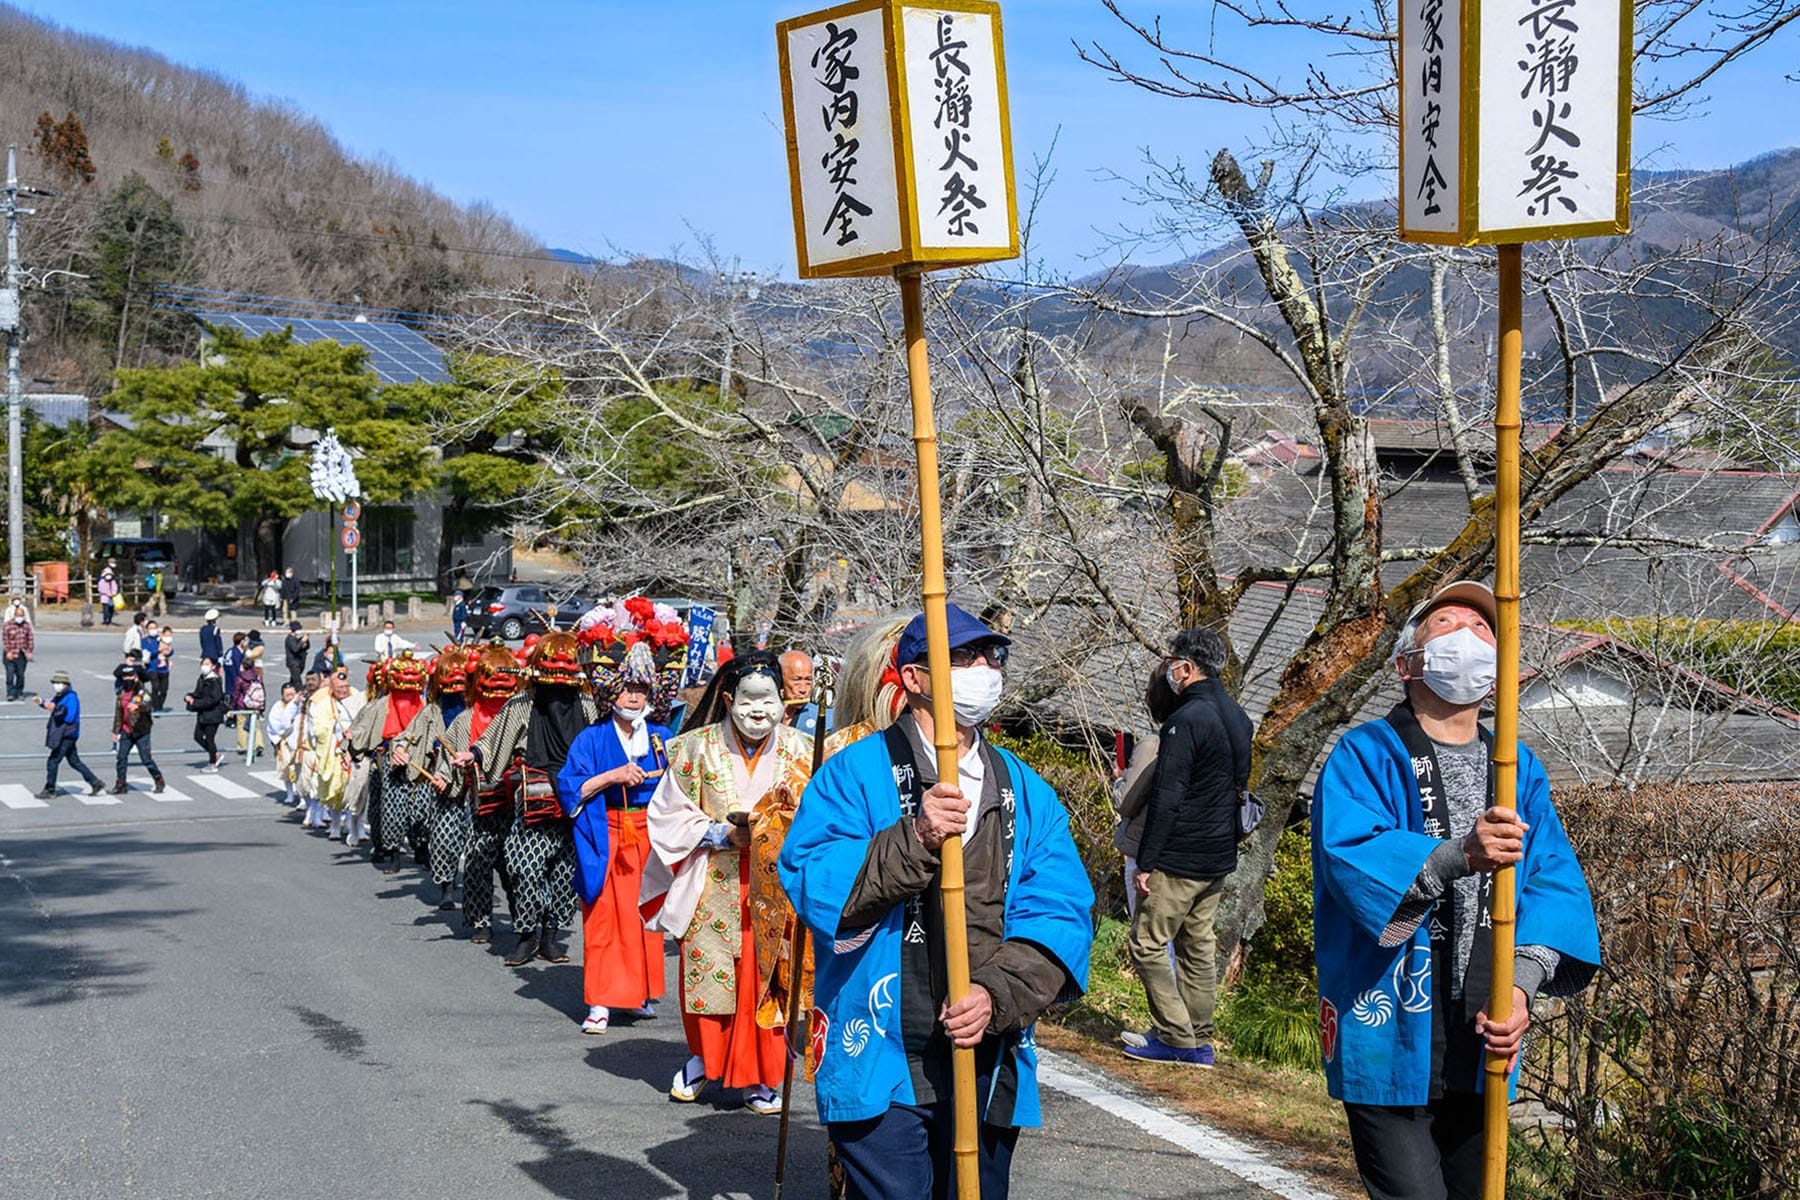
[{"x": 1281, "y": 1106}]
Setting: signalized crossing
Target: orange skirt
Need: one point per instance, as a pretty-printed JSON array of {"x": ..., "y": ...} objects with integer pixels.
[
  {"x": 736, "y": 1050},
  {"x": 621, "y": 961}
]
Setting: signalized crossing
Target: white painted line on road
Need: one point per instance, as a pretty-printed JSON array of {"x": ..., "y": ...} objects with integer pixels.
[
  {"x": 169, "y": 795},
  {"x": 1072, "y": 1079},
  {"x": 102, "y": 798},
  {"x": 224, "y": 787},
  {"x": 270, "y": 778},
  {"x": 17, "y": 795}
]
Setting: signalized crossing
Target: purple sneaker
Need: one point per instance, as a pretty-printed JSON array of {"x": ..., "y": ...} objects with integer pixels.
[{"x": 1156, "y": 1050}]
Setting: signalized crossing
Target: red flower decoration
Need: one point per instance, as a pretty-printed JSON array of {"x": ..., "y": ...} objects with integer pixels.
[{"x": 642, "y": 609}]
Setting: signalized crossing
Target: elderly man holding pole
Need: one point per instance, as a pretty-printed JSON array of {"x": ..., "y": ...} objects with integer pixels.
[
  {"x": 862, "y": 863},
  {"x": 1407, "y": 829}
]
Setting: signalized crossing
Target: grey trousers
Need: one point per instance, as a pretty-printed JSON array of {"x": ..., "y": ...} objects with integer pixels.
[{"x": 1179, "y": 912}]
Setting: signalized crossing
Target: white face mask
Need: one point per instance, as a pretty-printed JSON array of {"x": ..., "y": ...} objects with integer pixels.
[
  {"x": 1174, "y": 683},
  {"x": 756, "y": 707},
  {"x": 975, "y": 694},
  {"x": 1459, "y": 666},
  {"x": 634, "y": 717},
  {"x": 59, "y": 688}
]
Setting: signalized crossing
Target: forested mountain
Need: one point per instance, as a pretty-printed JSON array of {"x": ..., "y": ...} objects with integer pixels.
[{"x": 167, "y": 174}]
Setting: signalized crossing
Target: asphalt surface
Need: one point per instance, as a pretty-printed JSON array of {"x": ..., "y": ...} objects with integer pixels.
[{"x": 198, "y": 998}]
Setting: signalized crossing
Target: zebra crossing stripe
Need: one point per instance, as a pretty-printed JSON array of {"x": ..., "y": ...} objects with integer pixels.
[
  {"x": 102, "y": 798},
  {"x": 224, "y": 787},
  {"x": 17, "y": 795},
  {"x": 269, "y": 778}
]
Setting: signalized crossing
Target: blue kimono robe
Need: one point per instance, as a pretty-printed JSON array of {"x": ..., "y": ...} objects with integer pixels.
[
  {"x": 855, "y": 1028},
  {"x": 1375, "y": 1002},
  {"x": 595, "y": 750}
]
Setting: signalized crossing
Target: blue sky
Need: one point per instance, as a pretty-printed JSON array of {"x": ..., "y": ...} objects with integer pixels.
[{"x": 599, "y": 125}]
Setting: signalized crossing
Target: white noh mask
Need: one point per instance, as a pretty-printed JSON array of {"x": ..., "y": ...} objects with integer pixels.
[{"x": 756, "y": 707}]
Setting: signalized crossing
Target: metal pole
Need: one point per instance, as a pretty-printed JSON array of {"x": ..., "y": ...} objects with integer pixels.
[
  {"x": 943, "y": 713},
  {"x": 353, "y": 558},
  {"x": 730, "y": 338},
  {"x": 1506, "y": 699},
  {"x": 15, "y": 388}
]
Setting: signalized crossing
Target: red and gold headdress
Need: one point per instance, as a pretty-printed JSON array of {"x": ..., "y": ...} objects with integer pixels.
[{"x": 555, "y": 661}]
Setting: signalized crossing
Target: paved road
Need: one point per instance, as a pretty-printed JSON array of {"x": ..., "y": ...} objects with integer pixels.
[{"x": 198, "y": 998}]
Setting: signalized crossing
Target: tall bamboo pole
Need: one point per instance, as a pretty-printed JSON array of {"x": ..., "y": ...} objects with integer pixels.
[
  {"x": 943, "y": 714},
  {"x": 1506, "y": 697}
]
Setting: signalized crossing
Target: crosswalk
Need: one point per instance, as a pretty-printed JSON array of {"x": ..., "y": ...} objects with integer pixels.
[{"x": 180, "y": 788}]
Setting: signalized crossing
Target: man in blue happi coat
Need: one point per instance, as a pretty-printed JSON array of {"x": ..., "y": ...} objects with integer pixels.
[
  {"x": 1406, "y": 833},
  {"x": 861, "y": 865}
]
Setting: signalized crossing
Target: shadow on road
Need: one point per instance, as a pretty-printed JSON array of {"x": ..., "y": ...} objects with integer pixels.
[
  {"x": 48, "y": 892},
  {"x": 565, "y": 1168}
]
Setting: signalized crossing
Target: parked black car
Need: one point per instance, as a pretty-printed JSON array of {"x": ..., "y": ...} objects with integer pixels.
[{"x": 513, "y": 610}]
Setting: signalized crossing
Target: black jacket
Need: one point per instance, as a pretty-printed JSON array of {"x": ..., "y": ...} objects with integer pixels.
[
  {"x": 207, "y": 701},
  {"x": 290, "y": 588},
  {"x": 1202, "y": 763},
  {"x": 294, "y": 647}
]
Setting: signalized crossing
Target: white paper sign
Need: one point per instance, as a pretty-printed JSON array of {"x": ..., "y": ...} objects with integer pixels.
[
  {"x": 898, "y": 140},
  {"x": 1431, "y": 112},
  {"x": 1514, "y": 119},
  {"x": 953, "y": 102},
  {"x": 843, "y": 130},
  {"x": 1549, "y": 112}
]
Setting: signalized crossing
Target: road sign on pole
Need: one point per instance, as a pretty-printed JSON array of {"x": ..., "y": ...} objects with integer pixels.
[{"x": 351, "y": 538}]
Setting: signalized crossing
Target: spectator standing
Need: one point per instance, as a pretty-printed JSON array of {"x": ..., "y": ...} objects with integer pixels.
[
  {"x": 132, "y": 724},
  {"x": 109, "y": 592},
  {"x": 459, "y": 616},
  {"x": 269, "y": 596},
  {"x": 60, "y": 733},
  {"x": 159, "y": 652},
  {"x": 247, "y": 698},
  {"x": 387, "y": 642},
  {"x": 18, "y": 645},
  {"x": 212, "y": 641},
  {"x": 208, "y": 704},
  {"x": 1131, "y": 794},
  {"x": 796, "y": 691},
  {"x": 290, "y": 595},
  {"x": 294, "y": 650},
  {"x": 155, "y": 603},
  {"x": 1405, "y": 825},
  {"x": 233, "y": 662},
  {"x": 134, "y": 637},
  {"x": 330, "y": 656},
  {"x": 1189, "y": 847}
]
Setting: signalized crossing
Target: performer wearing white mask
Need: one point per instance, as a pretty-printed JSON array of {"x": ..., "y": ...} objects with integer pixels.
[{"x": 696, "y": 883}]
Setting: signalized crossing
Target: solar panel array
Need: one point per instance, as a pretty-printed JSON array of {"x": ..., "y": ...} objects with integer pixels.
[{"x": 396, "y": 354}]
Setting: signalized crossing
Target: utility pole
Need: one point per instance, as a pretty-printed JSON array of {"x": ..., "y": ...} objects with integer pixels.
[
  {"x": 752, "y": 288},
  {"x": 12, "y": 327}
]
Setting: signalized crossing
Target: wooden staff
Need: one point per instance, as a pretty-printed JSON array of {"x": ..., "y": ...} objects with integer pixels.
[
  {"x": 797, "y": 955},
  {"x": 1506, "y": 700},
  {"x": 943, "y": 713}
]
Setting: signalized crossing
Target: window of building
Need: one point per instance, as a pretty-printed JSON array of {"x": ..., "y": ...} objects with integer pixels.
[{"x": 387, "y": 540}]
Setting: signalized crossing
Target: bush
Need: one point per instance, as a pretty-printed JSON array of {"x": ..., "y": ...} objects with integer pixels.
[
  {"x": 1678, "y": 1072},
  {"x": 1282, "y": 951},
  {"x": 1269, "y": 1020},
  {"x": 1084, "y": 790}
]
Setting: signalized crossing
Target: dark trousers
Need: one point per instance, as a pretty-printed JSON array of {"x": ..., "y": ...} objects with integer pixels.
[
  {"x": 268, "y": 614},
  {"x": 159, "y": 689},
  {"x": 106, "y": 614},
  {"x": 15, "y": 677},
  {"x": 66, "y": 752},
  {"x": 1419, "y": 1152},
  {"x": 206, "y": 736},
  {"x": 126, "y": 742},
  {"x": 905, "y": 1154}
]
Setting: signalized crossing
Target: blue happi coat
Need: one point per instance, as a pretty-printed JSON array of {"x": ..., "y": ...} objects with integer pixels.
[
  {"x": 1368, "y": 847},
  {"x": 594, "y": 751},
  {"x": 862, "y": 1067}
]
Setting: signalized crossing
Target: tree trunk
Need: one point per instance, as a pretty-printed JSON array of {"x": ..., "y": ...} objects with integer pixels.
[{"x": 448, "y": 529}]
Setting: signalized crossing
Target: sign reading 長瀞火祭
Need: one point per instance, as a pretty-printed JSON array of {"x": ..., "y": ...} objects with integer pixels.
[
  {"x": 1514, "y": 119},
  {"x": 898, "y": 138}
]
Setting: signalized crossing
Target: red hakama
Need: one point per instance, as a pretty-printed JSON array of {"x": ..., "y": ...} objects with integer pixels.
[
  {"x": 737, "y": 1051},
  {"x": 621, "y": 961}
]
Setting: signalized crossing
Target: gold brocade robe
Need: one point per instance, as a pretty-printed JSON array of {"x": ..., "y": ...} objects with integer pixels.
[
  {"x": 771, "y": 913},
  {"x": 701, "y": 767}
]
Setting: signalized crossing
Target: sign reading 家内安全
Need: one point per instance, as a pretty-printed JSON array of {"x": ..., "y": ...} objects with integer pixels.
[
  {"x": 899, "y": 146},
  {"x": 1514, "y": 119}
]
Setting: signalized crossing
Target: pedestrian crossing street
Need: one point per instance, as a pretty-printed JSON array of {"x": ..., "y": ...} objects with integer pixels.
[{"x": 180, "y": 789}]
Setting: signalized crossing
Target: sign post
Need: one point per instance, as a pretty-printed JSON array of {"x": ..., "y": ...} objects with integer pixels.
[
  {"x": 352, "y": 539},
  {"x": 1515, "y": 126},
  {"x": 900, "y": 160}
]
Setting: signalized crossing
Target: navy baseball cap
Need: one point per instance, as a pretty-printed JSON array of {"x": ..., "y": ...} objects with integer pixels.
[{"x": 965, "y": 630}]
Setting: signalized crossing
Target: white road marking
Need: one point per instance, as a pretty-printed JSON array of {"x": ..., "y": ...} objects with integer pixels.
[
  {"x": 169, "y": 795},
  {"x": 220, "y": 786},
  {"x": 17, "y": 795},
  {"x": 1065, "y": 1075},
  {"x": 270, "y": 778},
  {"x": 102, "y": 798}
]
